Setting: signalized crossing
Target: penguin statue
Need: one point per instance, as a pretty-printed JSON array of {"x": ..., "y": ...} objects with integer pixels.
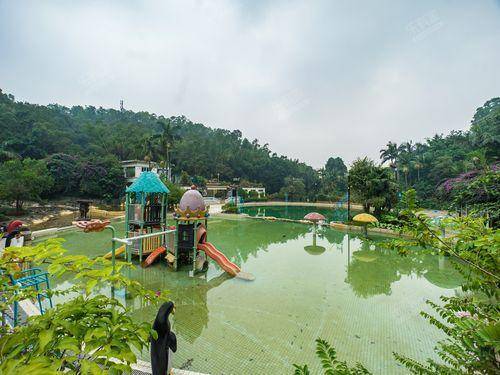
[{"x": 165, "y": 345}]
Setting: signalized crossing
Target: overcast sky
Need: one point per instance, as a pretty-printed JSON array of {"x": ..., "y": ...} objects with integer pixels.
[{"x": 313, "y": 79}]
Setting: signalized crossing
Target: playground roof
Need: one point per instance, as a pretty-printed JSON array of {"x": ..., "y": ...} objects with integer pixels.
[{"x": 148, "y": 182}]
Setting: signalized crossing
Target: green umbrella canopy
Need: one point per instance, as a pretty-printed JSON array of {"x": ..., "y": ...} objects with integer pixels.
[{"x": 148, "y": 182}]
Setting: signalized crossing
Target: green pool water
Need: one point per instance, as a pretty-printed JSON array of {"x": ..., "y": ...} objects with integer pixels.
[
  {"x": 296, "y": 212},
  {"x": 355, "y": 293}
]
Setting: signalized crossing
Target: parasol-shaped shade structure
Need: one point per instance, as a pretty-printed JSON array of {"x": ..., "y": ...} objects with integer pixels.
[
  {"x": 314, "y": 217},
  {"x": 365, "y": 219}
]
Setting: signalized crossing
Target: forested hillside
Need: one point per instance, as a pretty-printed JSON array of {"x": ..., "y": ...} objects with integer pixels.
[
  {"x": 80, "y": 148},
  {"x": 80, "y": 142},
  {"x": 434, "y": 166}
]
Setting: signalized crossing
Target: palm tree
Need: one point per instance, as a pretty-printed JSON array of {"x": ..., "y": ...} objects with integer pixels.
[
  {"x": 405, "y": 158},
  {"x": 408, "y": 147},
  {"x": 148, "y": 148},
  {"x": 478, "y": 159},
  {"x": 165, "y": 141},
  {"x": 391, "y": 153},
  {"x": 418, "y": 166},
  {"x": 405, "y": 170},
  {"x": 420, "y": 156}
]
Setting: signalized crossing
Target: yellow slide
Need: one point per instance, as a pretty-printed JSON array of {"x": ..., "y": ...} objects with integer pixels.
[{"x": 118, "y": 251}]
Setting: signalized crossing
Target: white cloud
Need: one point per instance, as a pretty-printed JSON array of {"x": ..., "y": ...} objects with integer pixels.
[{"x": 312, "y": 79}]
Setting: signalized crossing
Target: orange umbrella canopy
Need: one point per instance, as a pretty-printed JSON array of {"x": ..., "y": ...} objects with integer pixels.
[{"x": 314, "y": 217}]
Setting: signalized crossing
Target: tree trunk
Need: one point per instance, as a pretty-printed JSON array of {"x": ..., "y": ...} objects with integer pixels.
[{"x": 19, "y": 206}]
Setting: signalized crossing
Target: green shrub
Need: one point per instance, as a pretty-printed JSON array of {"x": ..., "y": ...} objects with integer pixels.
[{"x": 230, "y": 208}]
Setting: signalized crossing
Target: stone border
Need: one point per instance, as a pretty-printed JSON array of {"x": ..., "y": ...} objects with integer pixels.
[
  {"x": 50, "y": 231},
  {"x": 335, "y": 225},
  {"x": 354, "y": 206}
]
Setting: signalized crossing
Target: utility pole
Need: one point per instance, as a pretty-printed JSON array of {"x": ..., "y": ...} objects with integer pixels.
[{"x": 348, "y": 199}]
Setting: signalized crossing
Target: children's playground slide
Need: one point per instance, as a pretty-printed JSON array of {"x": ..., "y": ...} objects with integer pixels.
[
  {"x": 118, "y": 251},
  {"x": 212, "y": 252},
  {"x": 153, "y": 256},
  {"x": 220, "y": 258}
]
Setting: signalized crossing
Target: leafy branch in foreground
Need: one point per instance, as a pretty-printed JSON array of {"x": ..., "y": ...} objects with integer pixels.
[
  {"x": 470, "y": 319},
  {"x": 90, "y": 333},
  {"x": 330, "y": 363}
]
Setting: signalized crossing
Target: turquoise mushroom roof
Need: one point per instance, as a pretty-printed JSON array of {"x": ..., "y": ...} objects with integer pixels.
[{"x": 148, "y": 182}]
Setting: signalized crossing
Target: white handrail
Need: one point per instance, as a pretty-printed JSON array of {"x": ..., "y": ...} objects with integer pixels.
[{"x": 129, "y": 240}]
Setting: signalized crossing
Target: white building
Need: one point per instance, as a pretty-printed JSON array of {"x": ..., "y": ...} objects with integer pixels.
[
  {"x": 212, "y": 189},
  {"x": 259, "y": 190},
  {"x": 133, "y": 169}
]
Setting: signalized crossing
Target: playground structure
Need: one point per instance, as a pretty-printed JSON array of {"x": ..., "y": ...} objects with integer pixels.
[
  {"x": 147, "y": 233},
  {"x": 24, "y": 276},
  {"x": 145, "y": 213},
  {"x": 32, "y": 278},
  {"x": 191, "y": 217}
]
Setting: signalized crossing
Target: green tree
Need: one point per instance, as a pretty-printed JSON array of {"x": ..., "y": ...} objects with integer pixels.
[
  {"x": 335, "y": 167},
  {"x": 102, "y": 178},
  {"x": 90, "y": 132},
  {"x": 175, "y": 195},
  {"x": 470, "y": 320},
  {"x": 89, "y": 334},
  {"x": 165, "y": 139},
  {"x": 185, "y": 180},
  {"x": 294, "y": 188},
  {"x": 485, "y": 129},
  {"x": 390, "y": 154},
  {"x": 372, "y": 186},
  {"x": 478, "y": 192},
  {"x": 22, "y": 180},
  {"x": 6, "y": 154},
  {"x": 334, "y": 178},
  {"x": 66, "y": 173}
]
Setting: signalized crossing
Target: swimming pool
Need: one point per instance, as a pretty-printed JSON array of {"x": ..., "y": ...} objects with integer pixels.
[
  {"x": 296, "y": 212},
  {"x": 356, "y": 294}
]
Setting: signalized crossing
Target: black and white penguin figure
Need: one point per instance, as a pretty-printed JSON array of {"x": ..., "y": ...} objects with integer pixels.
[{"x": 165, "y": 345}]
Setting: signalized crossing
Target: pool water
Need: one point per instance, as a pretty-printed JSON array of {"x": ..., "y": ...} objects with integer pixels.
[
  {"x": 296, "y": 212},
  {"x": 355, "y": 293}
]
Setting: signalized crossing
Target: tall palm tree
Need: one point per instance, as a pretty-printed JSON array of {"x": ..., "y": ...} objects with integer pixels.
[
  {"x": 405, "y": 168},
  {"x": 148, "y": 148},
  {"x": 390, "y": 154},
  {"x": 165, "y": 140},
  {"x": 408, "y": 147},
  {"x": 418, "y": 165}
]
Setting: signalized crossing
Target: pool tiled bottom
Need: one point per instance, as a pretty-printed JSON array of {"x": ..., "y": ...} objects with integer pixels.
[{"x": 354, "y": 293}]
